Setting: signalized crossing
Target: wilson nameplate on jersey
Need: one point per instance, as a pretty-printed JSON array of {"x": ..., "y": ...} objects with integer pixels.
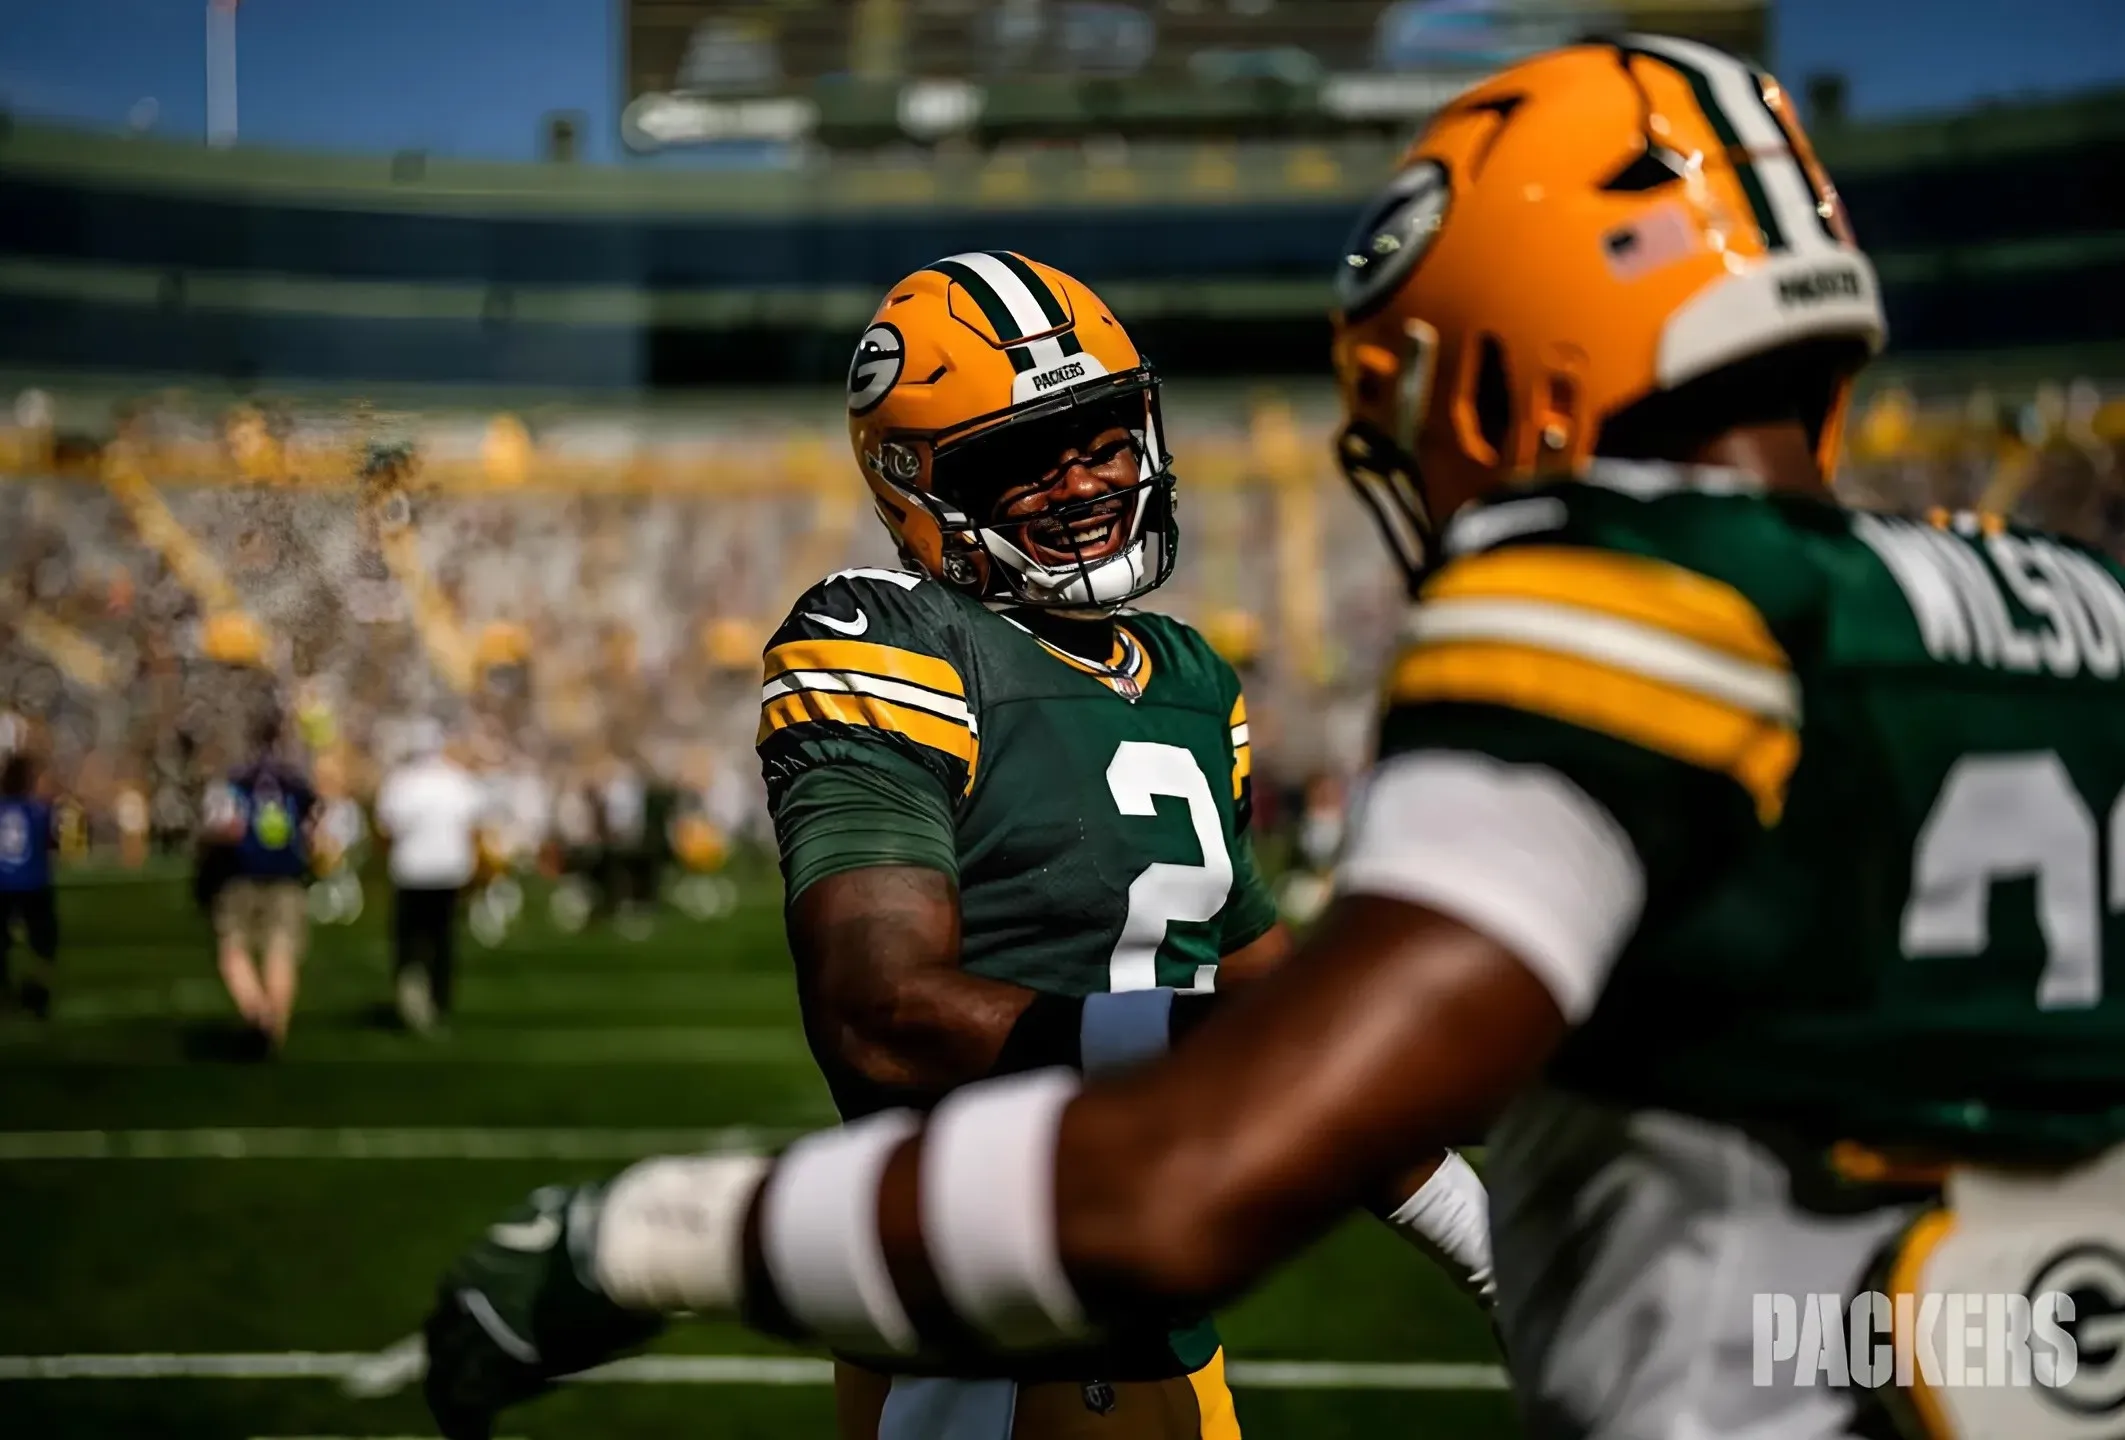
[{"x": 1960, "y": 600}]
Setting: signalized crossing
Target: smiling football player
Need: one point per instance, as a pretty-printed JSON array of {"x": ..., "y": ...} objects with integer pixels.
[{"x": 1013, "y": 817}]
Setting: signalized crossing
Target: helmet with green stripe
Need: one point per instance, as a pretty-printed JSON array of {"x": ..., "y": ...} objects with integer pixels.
[{"x": 1011, "y": 436}]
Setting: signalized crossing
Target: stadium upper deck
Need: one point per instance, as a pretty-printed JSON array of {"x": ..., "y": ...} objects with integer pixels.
[{"x": 2001, "y": 229}]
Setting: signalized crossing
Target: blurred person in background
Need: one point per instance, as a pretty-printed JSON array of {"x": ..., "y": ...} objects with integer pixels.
[
  {"x": 622, "y": 799},
  {"x": 261, "y": 816},
  {"x": 493, "y": 899},
  {"x": 578, "y": 848},
  {"x": 28, "y": 836},
  {"x": 341, "y": 843},
  {"x": 1304, "y": 891},
  {"x": 130, "y": 813},
  {"x": 428, "y": 809}
]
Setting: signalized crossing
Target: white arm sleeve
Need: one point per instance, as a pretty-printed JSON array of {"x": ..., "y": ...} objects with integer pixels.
[{"x": 1517, "y": 852}]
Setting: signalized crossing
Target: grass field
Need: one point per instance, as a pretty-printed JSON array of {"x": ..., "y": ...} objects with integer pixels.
[{"x": 170, "y": 1209}]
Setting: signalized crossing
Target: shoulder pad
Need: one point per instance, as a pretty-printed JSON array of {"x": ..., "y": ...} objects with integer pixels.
[
  {"x": 867, "y": 658},
  {"x": 1704, "y": 521},
  {"x": 883, "y": 606}
]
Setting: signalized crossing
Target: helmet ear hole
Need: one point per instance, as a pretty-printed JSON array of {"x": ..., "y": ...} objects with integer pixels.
[{"x": 1494, "y": 394}]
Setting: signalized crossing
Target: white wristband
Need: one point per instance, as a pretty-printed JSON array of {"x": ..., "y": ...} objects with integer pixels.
[
  {"x": 1449, "y": 1220},
  {"x": 819, "y": 1235},
  {"x": 671, "y": 1234},
  {"x": 988, "y": 1208}
]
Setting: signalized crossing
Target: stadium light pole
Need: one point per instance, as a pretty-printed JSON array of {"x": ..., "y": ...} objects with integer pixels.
[{"x": 221, "y": 72}]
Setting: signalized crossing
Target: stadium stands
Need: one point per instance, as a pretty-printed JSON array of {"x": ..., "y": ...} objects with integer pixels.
[{"x": 603, "y": 581}]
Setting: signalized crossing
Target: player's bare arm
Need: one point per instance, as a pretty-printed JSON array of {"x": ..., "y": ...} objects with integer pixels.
[
  {"x": 1393, "y": 1030},
  {"x": 877, "y": 954},
  {"x": 878, "y": 965}
]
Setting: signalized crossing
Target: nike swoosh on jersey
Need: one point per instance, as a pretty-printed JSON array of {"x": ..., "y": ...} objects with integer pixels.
[
  {"x": 531, "y": 1236},
  {"x": 857, "y": 626}
]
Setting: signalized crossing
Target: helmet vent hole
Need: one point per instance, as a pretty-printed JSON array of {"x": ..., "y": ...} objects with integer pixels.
[
  {"x": 1494, "y": 395},
  {"x": 1654, "y": 167}
]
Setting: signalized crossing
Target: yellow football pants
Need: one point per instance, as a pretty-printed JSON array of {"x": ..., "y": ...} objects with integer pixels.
[{"x": 871, "y": 1406}]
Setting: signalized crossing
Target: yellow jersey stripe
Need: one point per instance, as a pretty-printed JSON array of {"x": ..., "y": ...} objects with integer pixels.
[
  {"x": 825, "y": 706},
  {"x": 888, "y": 662},
  {"x": 1629, "y": 587},
  {"x": 1758, "y": 753},
  {"x": 1242, "y": 767},
  {"x": 1239, "y": 712},
  {"x": 1656, "y": 654}
]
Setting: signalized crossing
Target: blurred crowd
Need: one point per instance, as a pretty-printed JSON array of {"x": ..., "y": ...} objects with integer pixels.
[{"x": 581, "y": 601}]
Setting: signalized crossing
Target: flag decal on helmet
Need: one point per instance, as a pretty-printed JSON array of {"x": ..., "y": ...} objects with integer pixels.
[{"x": 876, "y": 368}]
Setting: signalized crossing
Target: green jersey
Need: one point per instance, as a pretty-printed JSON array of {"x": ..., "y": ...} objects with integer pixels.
[
  {"x": 1871, "y": 772},
  {"x": 1094, "y": 813}
]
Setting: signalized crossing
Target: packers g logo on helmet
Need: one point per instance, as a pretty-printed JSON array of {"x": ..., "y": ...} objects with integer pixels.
[
  {"x": 875, "y": 367},
  {"x": 977, "y": 372},
  {"x": 1390, "y": 239}
]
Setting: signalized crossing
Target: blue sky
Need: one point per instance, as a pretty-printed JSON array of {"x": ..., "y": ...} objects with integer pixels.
[{"x": 473, "y": 77}]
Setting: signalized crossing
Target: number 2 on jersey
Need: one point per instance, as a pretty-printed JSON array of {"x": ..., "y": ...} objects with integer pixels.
[
  {"x": 1165, "y": 894},
  {"x": 2002, "y": 817}
]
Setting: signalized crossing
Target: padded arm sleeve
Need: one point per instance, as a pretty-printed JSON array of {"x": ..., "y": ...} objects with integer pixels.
[{"x": 853, "y": 816}]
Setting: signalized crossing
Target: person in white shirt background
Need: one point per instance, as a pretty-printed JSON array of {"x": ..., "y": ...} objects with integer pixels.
[{"x": 429, "y": 809}]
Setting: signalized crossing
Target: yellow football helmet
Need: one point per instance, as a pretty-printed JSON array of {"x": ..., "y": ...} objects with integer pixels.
[
  {"x": 1601, "y": 244},
  {"x": 972, "y": 377}
]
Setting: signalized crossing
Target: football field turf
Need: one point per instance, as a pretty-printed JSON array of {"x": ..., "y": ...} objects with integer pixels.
[{"x": 196, "y": 1245}]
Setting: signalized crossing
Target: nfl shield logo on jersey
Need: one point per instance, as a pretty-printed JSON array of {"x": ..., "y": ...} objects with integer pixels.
[
  {"x": 1128, "y": 689},
  {"x": 1099, "y": 1396}
]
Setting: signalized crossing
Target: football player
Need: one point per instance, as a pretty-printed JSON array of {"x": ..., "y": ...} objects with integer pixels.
[{"x": 1013, "y": 811}]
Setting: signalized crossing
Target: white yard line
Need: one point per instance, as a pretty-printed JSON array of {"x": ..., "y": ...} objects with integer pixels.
[
  {"x": 655, "y": 993},
  {"x": 742, "y": 1045},
  {"x": 702, "y": 1370},
  {"x": 424, "y": 1143}
]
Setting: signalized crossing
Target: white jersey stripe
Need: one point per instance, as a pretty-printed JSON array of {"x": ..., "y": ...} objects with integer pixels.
[
  {"x": 850, "y": 682},
  {"x": 1020, "y": 301},
  {"x": 1621, "y": 644},
  {"x": 1239, "y": 734}
]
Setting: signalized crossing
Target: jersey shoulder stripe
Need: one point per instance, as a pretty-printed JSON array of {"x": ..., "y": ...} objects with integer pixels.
[
  {"x": 1642, "y": 649},
  {"x": 1242, "y": 750},
  {"x": 863, "y": 657},
  {"x": 918, "y": 697},
  {"x": 1641, "y": 589},
  {"x": 828, "y": 697}
]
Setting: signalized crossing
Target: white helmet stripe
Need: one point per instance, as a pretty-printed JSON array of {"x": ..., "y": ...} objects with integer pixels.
[
  {"x": 1046, "y": 353},
  {"x": 1020, "y": 301},
  {"x": 1735, "y": 91}
]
